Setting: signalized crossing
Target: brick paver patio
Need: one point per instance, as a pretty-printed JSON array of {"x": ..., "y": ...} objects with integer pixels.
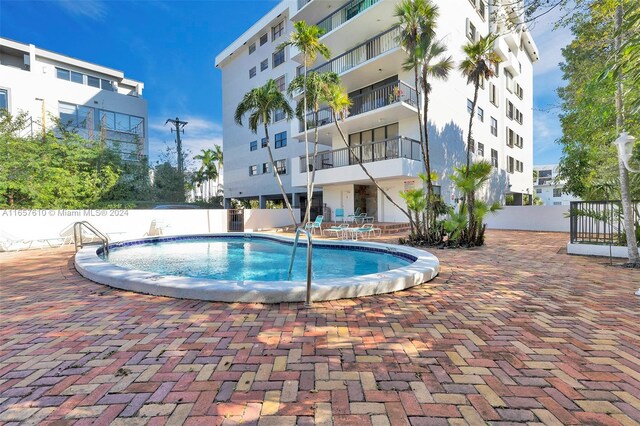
[{"x": 512, "y": 332}]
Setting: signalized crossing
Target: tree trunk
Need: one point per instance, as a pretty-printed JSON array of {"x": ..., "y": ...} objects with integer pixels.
[
  {"x": 471, "y": 195},
  {"x": 421, "y": 131},
  {"x": 427, "y": 159},
  {"x": 315, "y": 155},
  {"x": 307, "y": 212},
  {"x": 277, "y": 175},
  {"x": 353, "y": 154},
  {"x": 627, "y": 209}
]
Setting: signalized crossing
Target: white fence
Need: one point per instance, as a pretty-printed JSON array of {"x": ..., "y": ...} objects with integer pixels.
[
  {"x": 130, "y": 224},
  {"x": 530, "y": 218}
]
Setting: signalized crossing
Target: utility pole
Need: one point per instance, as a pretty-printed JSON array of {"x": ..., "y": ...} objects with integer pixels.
[{"x": 178, "y": 126}]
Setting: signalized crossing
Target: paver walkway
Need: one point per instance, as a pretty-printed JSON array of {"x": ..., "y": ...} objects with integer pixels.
[{"x": 512, "y": 332}]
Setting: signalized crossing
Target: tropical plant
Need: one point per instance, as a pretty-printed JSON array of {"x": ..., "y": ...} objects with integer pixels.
[
  {"x": 218, "y": 156},
  {"x": 208, "y": 170},
  {"x": 306, "y": 38},
  {"x": 338, "y": 100},
  {"x": 261, "y": 104},
  {"x": 479, "y": 64}
]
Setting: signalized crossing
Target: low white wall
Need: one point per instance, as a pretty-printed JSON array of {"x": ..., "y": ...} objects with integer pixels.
[
  {"x": 597, "y": 250},
  {"x": 130, "y": 224},
  {"x": 530, "y": 218}
]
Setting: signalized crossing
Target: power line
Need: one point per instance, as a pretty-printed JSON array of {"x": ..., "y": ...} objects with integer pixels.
[{"x": 178, "y": 126}]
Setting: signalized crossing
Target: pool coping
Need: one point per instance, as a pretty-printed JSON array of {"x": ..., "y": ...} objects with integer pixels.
[{"x": 425, "y": 267}]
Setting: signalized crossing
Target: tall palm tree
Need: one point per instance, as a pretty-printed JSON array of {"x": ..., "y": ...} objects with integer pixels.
[
  {"x": 316, "y": 85},
  {"x": 306, "y": 38},
  {"x": 479, "y": 63},
  {"x": 219, "y": 159},
  {"x": 208, "y": 168},
  {"x": 338, "y": 100},
  {"x": 261, "y": 104}
]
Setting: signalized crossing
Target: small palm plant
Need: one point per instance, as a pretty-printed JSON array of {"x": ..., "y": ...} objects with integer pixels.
[{"x": 261, "y": 104}]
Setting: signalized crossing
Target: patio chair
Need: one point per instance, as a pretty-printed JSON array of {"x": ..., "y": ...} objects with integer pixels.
[
  {"x": 362, "y": 231},
  {"x": 317, "y": 224},
  {"x": 362, "y": 217},
  {"x": 10, "y": 242},
  {"x": 372, "y": 230},
  {"x": 355, "y": 214},
  {"x": 340, "y": 215},
  {"x": 339, "y": 230}
]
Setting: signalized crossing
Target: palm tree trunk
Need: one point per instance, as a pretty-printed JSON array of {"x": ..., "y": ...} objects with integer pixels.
[
  {"x": 307, "y": 213},
  {"x": 471, "y": 236},
  {"x": 315, "y": 155},
  {"x": 627, "y": 210},
  {"x": 277, "y": 175},
  {"x": 427, "y": 159},
  {"x": 366, "y": 172}
]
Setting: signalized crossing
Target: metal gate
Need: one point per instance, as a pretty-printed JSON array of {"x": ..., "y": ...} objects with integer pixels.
[{"x": 235, "y": 220}]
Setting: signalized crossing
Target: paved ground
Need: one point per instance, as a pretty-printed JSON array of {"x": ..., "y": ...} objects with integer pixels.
[{"x": 512, "y": 332}]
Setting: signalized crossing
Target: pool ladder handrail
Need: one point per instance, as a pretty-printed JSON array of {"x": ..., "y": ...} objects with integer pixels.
[
  {"x": 77, "y": 235},
  {"x": 307, "y": 303}
]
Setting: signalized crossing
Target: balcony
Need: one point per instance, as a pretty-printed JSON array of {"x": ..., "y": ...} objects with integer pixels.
[
  {"x": 389, "y": 94},
  {"x": 387, "y": 159},
  {"x": 345, "y": 13},
  {"x": 302, "y": 3}
]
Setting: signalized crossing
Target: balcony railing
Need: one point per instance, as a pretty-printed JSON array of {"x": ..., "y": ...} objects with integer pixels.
[
  {"x": 394, "y": 92},
  {"x": 302, "y": 3},
  {"x": 363, "y": 52},
  {"x": 398, "y": 147},
  {"x": 344, "y": 13},
  {"x": 599, "y": 222}
]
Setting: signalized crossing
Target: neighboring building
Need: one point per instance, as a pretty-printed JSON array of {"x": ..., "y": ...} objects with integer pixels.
[
  {"x": 549, "y": 189},
  {"x": 95, "y": 101},
  {"x": 382, "y": 124}
]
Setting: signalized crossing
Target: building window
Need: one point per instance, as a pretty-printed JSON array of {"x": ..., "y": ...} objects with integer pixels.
[
  {"x": 538, "y": 190},
  {"x": 519, "y": 166},
  {"x": 4, "y": 99},
  {"x": 510, "y": 164},
  {"x": 253, "y": 146},
  {"x": 76, "y": 77},
  {"x": 510, "y": 137},
  {"x": 509, "y": 77},
  {"x": 106, "y": 85},
  {"x": 494, "y": 158},
  {"x": 281, "y": 83},
  {"x": 279, "y": 115},
  {"x": 519, "y": 91},
  {"x": 278, "y": 58},
  {"x": 481, "y": 9},
  {"x": 480, "y": 149},
  {"x": 264, "y": 38},
  {"x": 265, "y": 168},
  {"x": 557, "y": 203},
  {"x": 494, "y": 126},
  {"x": 518, "y": 115},
  {"x": 277, "y": 30},
  {"x": 252, "y": 48},
  {"x": 510, "y": 110},
  {"x": 557, "y": 192},
  {"x": 264, "y": 64},
  {"x": 519, "y": 141},
  {"x": 481, "y": 114},
  {"x": 253, "y": 170},
  {"x": 281, "y": 167},
  {"x": 469, "y": 105},
  {"x": 472, "y": 145},
  {"x": 471, "y": 30},
  {"x": 263, "y": 142},
  {"x": 280, "y": 140},
  {"x": 63, "y": 74},
  {"x": 252, "y": 72},
  {"x": 93, "y": 81},
  {"x": 493, "y": 94}
]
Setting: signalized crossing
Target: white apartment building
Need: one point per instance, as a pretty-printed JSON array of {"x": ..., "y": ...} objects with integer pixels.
[
  {"x": 382, "y": 124},
  {"x": 95, "y": 101},
  {"x": 549, "y": 189}
]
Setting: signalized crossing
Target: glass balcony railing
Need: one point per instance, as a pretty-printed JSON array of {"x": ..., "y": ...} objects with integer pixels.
[
  {"x": 344, "y": 13},
  {"x": 391, "y": 93},
  {"x": 388, "y": 149},
  {"x": 371, "y": 48},
  {"x": 302, "y": 3}
]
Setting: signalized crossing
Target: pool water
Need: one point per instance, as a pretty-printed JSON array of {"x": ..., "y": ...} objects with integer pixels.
[{"x": 245, "y": 259}]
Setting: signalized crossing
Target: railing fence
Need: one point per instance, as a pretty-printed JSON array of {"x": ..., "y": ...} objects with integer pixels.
[{"x": 599, "y": 222}]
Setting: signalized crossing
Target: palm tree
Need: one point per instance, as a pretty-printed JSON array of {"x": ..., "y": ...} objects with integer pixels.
[
  {"x": 261, "y": 104},
  {"x": 219, "y": 159},
  {"x": 316, "y": 85},
  {"x": 208, "y": 168},
  {"x": 306, "y": 38},
  {"x": 338, "y": 100},
  {"x": 479, "y": 63}
]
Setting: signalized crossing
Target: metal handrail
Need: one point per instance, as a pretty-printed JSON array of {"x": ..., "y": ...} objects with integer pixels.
[
  {"x": 307, "y": 303},
  {"x": 77, "y": 235},
  {"x": 344, "y": 13}
]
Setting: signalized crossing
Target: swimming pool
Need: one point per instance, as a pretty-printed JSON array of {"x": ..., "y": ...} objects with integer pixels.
[{"x": 252, "y": 267}]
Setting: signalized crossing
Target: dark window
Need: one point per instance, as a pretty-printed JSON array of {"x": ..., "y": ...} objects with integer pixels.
[
  {"x": 63, "y": 74},
  {"x": 265, "y": 168},
  {"x": 252, "y": 48},
  {"x": 264, "y": 38},
  {"x": 252, "y": 72},
  {"x": 253, "y": 170},
  {"x": 469, "y": 105},
  {"x": 472, "y": 145},
  {"x": 106, "y": 85},
  {"x": 263, "y": 142},
  {"x": 278, "y": 58},
  {"x": 279, "y": 115},
  {"x": 4, "y": 99},
  {"x": 281, "y": 83},
  {"x": 264, "y": 64},
  {"x": 481, "y": 114},
  {"x": 93, "y": 81},
  {"x": 510, "y": 110},
  {"x": 494, "y": 158},
  {"x": 510, "y": 164},
  {"x": 493, "y": 94},
  {"x": 277, "y": 30},
  {"x": 494, "y": 126},
  {"x": 281, "y": 167},
  {"x": 253, "y": 145},
  {"x": 76, "y": 77},
  {"x": 280, "y": 140},
  {"x": 480, "y": 149},
  {"x": 557, "y": 192}
]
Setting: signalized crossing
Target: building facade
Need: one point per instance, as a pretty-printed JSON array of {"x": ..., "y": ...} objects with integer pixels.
[
  {"x": 382, "y": 123},
  {"x": 93, "y": 100},
  {"x": 547, "y": 187}
]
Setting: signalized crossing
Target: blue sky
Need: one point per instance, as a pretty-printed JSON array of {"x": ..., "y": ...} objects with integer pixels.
[{"x": 171, "y": 46}]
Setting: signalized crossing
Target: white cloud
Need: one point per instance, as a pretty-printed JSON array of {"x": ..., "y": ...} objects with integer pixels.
[{"x": 93, "y": 9}]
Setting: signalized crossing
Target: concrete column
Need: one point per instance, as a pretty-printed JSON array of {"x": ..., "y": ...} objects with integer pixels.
[{"x": 262, "y": 201}]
